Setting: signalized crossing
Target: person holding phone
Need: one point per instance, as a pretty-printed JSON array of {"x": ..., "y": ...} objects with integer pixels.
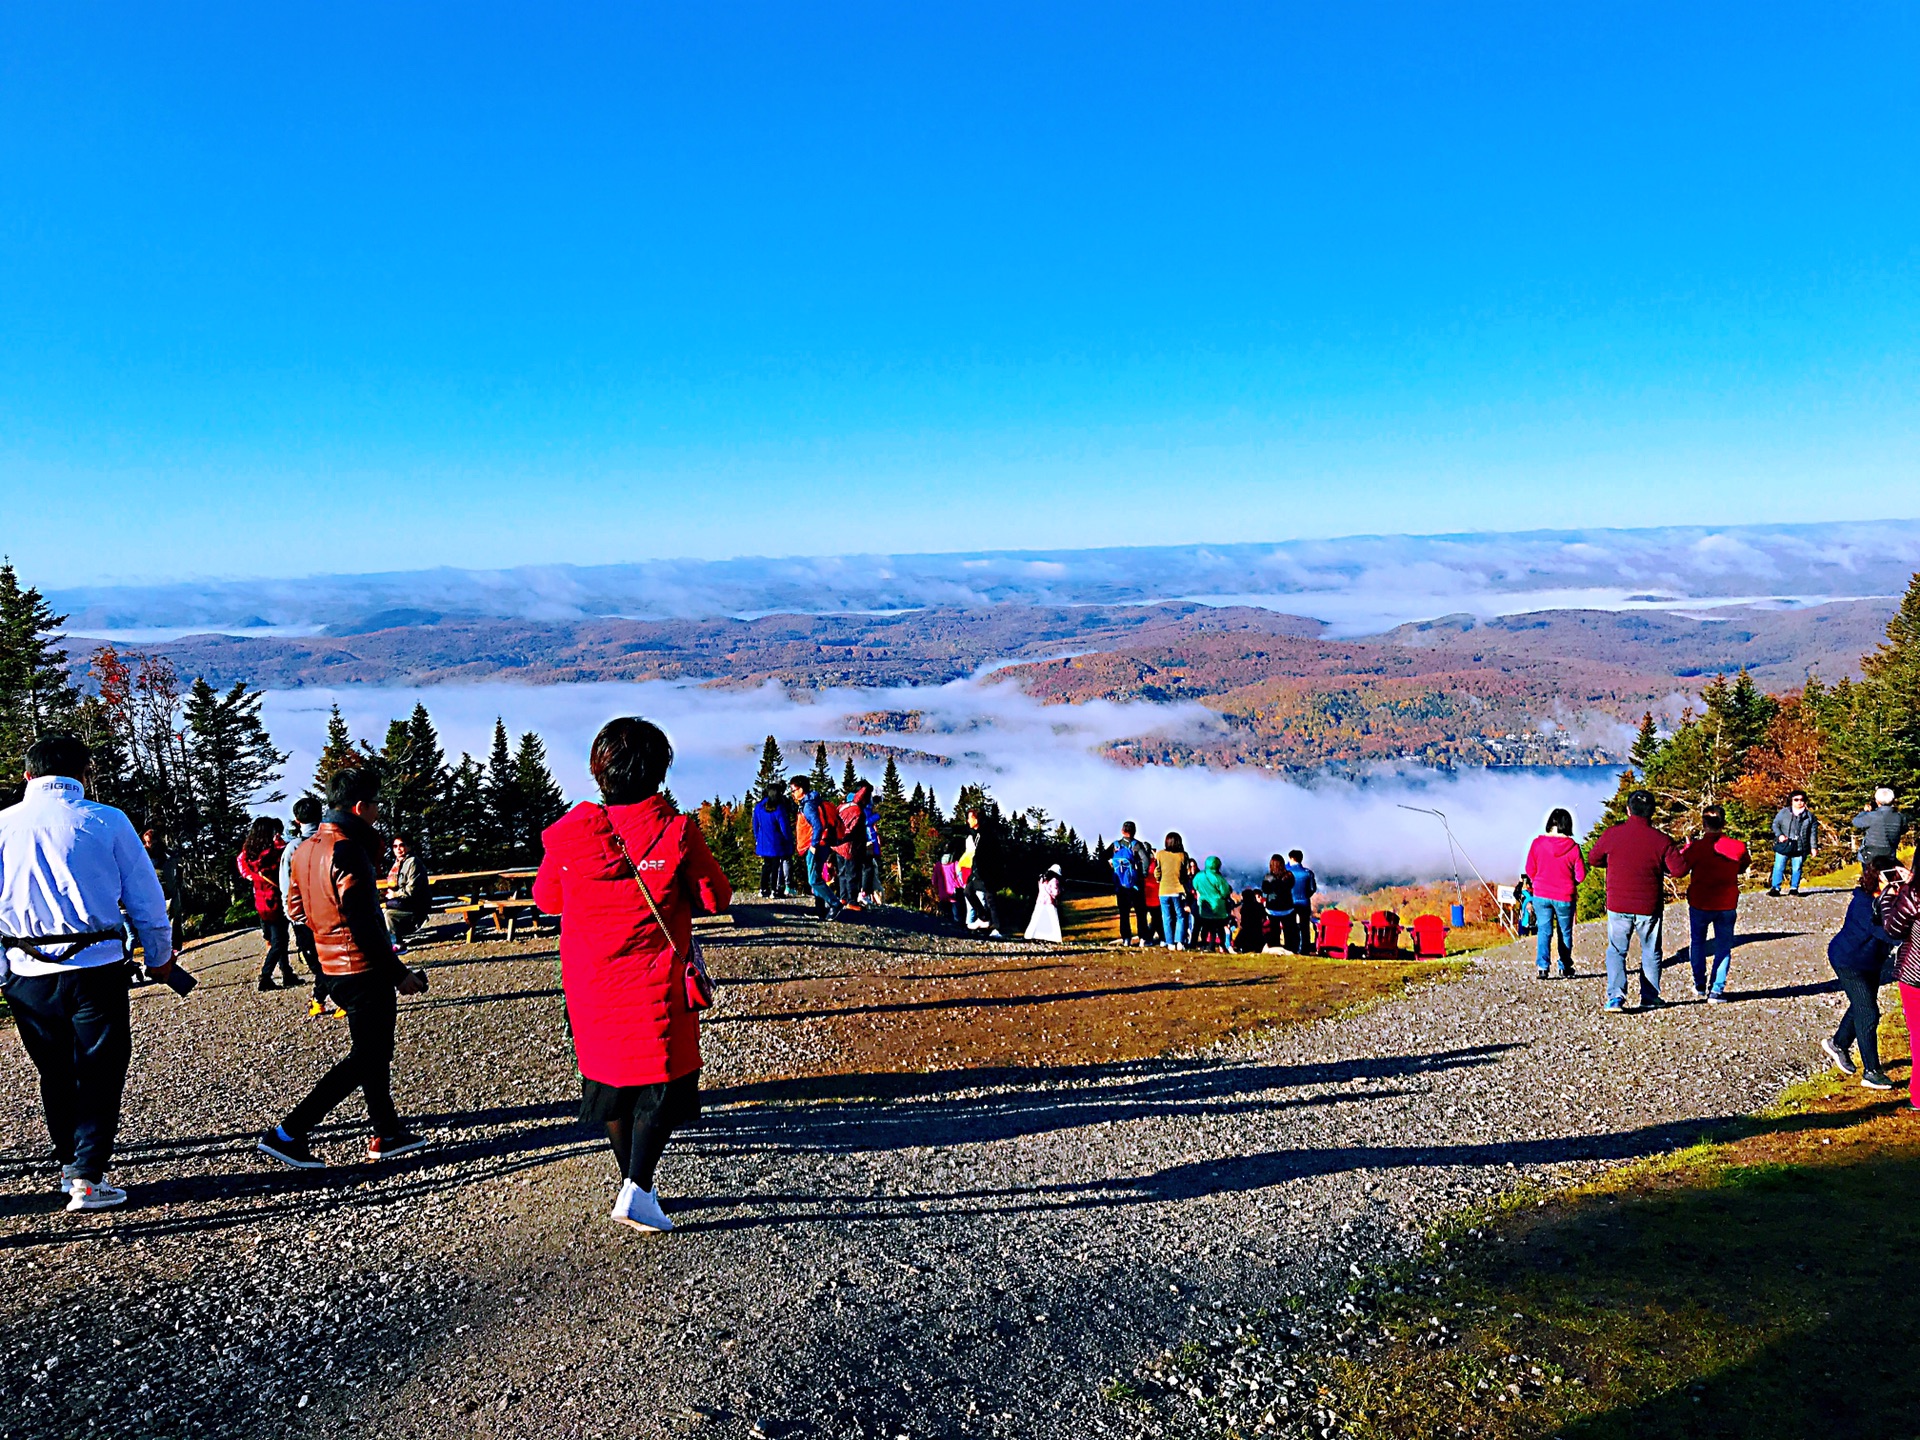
[
  {"x": 1880, "y": 915},
  {"x": 333, "y": 891}
]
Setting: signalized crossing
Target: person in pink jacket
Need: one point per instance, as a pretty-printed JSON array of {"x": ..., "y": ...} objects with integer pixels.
[{"x": 1555, "y": 869}]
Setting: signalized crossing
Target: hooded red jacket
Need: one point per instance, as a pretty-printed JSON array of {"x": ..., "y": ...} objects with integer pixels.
[{"x": 626, "y": 989}]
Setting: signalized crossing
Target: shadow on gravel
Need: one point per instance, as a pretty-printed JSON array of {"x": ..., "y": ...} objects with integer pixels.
[{"x": 1022, "y": 1001}]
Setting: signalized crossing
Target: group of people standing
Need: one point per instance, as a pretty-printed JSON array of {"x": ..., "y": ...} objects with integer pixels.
[
  {"x": 1168, "y": 898},
  {"x": 808, "y": 844}
]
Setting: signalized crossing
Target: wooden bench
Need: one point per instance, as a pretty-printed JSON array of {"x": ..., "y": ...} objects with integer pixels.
[
  {"x": 508, "y": 914},
  {"x": 469, "y": 912}
]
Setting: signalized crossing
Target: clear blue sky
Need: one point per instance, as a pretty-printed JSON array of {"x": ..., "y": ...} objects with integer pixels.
[{"x": 286, "y": 289}]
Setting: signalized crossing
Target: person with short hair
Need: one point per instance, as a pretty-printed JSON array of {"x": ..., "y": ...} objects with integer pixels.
[
  {"x": 1880, "y": 827},
  {"x": 1795, "y": 833},
  {"x": 772, "y": 843},
  {"x": 1305, "y": 886},
  {"x": 1715, "y": 861},
  {"x": 1130, "y": 859},
  {"x": 332, "y": 890},
  {"x": 1555, "y": 869},
  {"x": 306, "y": 819},
  {"x": 1637, "y": 857},
  {"x": 73, "y": 877},
  {"x": 409, "y": 897},
  {"x": 259, "y": 864},
  {"x": 626, "y": 876},
  {"x": 813, "y": 839},
  {"x": 1861, "y": 954}
]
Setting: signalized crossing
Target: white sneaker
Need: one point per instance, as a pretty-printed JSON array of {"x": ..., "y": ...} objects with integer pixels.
[
  {"x": 640, "y": 1210},
  {"x": 995, "y": 935},
  {"x": 619, "y": 1211},
  {"x": 93, "y": 1195}
]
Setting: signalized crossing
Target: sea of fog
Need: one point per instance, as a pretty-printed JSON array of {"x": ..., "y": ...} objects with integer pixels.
[{"x": 1028, "y": 754}]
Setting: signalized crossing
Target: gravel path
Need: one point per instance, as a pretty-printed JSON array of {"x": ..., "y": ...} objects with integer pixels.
[{"x": 960, "y": 1253}]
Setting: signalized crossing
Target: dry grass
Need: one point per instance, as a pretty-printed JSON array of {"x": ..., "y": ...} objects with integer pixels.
[{"x": 1760, "y": 1286}]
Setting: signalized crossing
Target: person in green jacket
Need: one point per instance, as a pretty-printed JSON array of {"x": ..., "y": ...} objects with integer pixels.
[{"x": 1214, "y": 894}]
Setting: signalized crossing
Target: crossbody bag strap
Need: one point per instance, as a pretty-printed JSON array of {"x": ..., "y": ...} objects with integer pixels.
[{"x": 620, "y": 844}]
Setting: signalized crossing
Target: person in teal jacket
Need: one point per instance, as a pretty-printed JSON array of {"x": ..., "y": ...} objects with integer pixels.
[{"x": 1214, "y": 892}]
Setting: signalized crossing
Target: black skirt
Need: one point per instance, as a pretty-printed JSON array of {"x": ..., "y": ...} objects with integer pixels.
[{"x": 673, "y": 1104}]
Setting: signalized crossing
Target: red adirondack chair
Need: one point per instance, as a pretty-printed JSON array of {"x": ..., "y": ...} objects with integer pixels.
[
  {"x": 1383, "y": 935},
  {"x": 1335, "y": 929},
  {"x": 1429, "y": 937}
]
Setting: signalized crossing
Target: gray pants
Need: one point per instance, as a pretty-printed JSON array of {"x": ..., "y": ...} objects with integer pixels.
[{"x": 1620, "y": 931}]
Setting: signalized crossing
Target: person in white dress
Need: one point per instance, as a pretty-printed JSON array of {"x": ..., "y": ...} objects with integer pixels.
[{"x": 1045, "y": 924}]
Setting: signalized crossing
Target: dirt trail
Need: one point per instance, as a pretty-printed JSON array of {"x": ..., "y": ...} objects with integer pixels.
[{"x": 962, "y": 1252}]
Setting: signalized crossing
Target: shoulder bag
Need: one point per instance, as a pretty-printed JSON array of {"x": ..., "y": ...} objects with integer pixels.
[{"x": 699, "y": 984}]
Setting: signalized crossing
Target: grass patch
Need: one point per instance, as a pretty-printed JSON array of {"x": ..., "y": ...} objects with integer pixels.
[{"x": 1758, "y": 1286}]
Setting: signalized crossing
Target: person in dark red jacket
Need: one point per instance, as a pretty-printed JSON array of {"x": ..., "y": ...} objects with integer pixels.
[
  {"x": 636, "y": 1039},
  {"x": 1637, "y": 857},
  {"x": 1716, "y": 861}
]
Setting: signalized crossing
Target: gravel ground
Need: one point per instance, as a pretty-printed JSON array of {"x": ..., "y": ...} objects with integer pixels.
[{"x": 1031, "y": 1254}]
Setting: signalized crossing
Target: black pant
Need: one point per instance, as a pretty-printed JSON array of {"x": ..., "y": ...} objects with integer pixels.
[
  {"x": 276, "y": 930},
  {"x": 372, "y": 1007},
  {"x": 1861, "y": 1024},
  {"x": 77, "y": 1030},
  {"x": 770, "y": 874},
  {"x": 984, "y": 902},
  {"x": 309, "y": 952},
  {"x": 1133, "y": 910},
  {"x": 1300, "y": 933}
]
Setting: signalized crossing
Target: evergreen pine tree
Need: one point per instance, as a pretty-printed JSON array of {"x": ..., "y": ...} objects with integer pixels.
[
  {"x": 231, "y": 761},
  {"x": 849, "y": 780},
  {"x": 1886, "y": 704},
  {"x": 337, "y": 754},
  {"x": 541, "y": 802},
  {"x": 896, "y": 823},
  {"x": 501, "y": 793},
  {"x": 822, "y": 775},
  {"x": 1646, "y": 745},
  {"x": 772, "y": 778},
  {"x": 462, "y": 831},
  {"x": 35, "y": 694}
]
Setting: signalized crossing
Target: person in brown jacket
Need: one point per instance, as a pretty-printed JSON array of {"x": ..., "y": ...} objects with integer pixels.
[{"x": 332, "y": 891}]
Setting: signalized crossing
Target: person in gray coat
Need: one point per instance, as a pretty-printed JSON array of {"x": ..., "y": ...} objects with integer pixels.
[
  {"x": 1793, "y": 839},
  {"x": 1880, "y": 827}
]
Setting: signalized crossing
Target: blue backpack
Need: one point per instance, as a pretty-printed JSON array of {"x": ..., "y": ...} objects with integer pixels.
[{"x": 1126, "y": 874}]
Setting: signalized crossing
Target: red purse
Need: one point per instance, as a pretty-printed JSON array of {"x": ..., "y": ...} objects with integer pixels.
[{"x": 699, "y": 983}]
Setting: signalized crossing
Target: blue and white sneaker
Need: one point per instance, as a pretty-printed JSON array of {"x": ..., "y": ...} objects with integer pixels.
[
  {"x": 1616, "y": 1007},
  {"x": 639, "y": 1209}
]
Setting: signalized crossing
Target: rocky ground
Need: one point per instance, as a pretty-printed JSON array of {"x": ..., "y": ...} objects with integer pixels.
[{"x": 1030, "y": 1252}]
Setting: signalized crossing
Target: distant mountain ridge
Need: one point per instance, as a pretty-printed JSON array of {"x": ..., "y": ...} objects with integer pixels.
[{"x": 1356, "y": 584}]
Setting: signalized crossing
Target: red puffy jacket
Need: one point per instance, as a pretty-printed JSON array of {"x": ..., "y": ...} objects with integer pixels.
[
  {"x": 265, "y": 877},
  {"x": 626, "y": 989}
]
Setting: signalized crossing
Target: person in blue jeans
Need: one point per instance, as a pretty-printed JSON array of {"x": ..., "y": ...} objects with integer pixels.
[
  {"x": 1176, "y": 874},
  {"x": 1637, "y": 857},
  {"x": 1794, "y": 831},
  {"x": 1715, "y": 861},
  {"x": 814, "y": 813}
]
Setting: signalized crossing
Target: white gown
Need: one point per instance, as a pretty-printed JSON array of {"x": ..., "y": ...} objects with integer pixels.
[{"x": 1045, "y": 924}]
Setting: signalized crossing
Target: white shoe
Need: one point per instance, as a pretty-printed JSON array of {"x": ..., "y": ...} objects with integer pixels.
[
  {"x": 995, "y": 935},
  {"x": 619, "y": 1211},
  {"x": 640, "y": 1210},
  {"x": 93, "y": 1195}
]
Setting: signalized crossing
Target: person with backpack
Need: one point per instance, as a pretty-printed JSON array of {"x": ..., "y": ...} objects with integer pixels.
[
  {"x": 626, "y": 877},
  {"x": 1130, "y": 859},
  {"x": 1213, "y": 899},
  {"x": 813, "y": 836},
  {"x": 1305, "y": 886},
  {"x": 872, "y": 885},
  {"x": 1554, "y": 869},
  {"x": 772, "y": 843},
  {"x": 259, "y": 864},
  {"x": 1276, "y": 894},
  {"x": 850, "y": 847},
  {"x": 1794, "y": 834}
]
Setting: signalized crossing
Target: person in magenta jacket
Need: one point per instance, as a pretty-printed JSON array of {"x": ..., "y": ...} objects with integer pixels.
[
  {"x": 623, "y": 959},
  {"x": 1555, "y": 869}
]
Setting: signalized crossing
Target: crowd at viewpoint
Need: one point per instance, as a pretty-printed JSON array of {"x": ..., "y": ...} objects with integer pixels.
[{"x": 81, "y": 894}]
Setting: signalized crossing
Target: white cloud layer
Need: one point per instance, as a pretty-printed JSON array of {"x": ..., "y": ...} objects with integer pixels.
[{"x": 1028, "y": 753}]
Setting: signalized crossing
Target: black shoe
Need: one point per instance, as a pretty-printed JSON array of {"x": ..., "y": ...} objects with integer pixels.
[
  {"x": 1652, "y": 1002},
  {"x": 385, "y": 1147},
  {"x": 1540, "y": 974},
  {"x": 1795, "y": 891},
  {"x": 1774, "y": 891},
  {"x": 1874, "y": 1080},
  {"x": 288, "y": 1151},
  {"x": 291, "y": 981},
  {"x": 266, "y": 983},
  {"x": 1566, "y": 972}
]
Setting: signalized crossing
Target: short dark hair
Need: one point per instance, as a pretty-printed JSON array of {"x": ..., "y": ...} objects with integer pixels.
[
  {"x": 629, "y": 760},
  {"x": 802, "y": 784},
  {"x": 1640, "y": 804},
  {"x": 307, "y": 809},
  {"x": 406, "y": 840},
  {"x": 1560, "y": 822},
  {"x": 1127, "y": 827},
  {"x": 1295, "y": 855},
  {"x": 1796, "y": 795},
  {"x": 1714, "y": 817},
  {"x": 352, "y": 786},
  {"x": 58, "y": 754}
]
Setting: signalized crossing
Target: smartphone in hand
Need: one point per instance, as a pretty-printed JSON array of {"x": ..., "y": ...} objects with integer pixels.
[{"x": 178, "y": 980}]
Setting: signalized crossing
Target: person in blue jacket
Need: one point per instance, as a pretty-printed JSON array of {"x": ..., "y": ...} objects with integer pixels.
[
  {"x": 773, "y": 843},
  {"x": 1305, "y": 886},
  {"x": 1861, "y": 955}
]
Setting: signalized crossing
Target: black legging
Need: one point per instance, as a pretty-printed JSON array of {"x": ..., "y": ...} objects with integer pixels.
[
  {"x": 1861, "y": 1024},
  {"x": 640, "y": 1140},
  {"x": 770, "y": 874},
  {"x": 274, "y": 927},
  {"x": 985, "y": 902}
]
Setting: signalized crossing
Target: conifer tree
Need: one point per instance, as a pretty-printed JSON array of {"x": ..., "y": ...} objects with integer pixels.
[
  {"x": 822, "y": 775},
  {"x": 35, "y": 694},
  {"x": 463, "y": 826},
  {"x": 1886, "y": 705},
  {"x": 412, "y": 770},
  {"x": 896, "y": 824},
  {"x": 232, "y": 763},
  {"x": 1646, "y": 745},
  {"x": 849, "y": 780},
  {"x": 772, "y": 777},
  {"x": 337, "y": 754},
  {"x": 541, "y": 802},
  {"x": 501, "y": 793}
]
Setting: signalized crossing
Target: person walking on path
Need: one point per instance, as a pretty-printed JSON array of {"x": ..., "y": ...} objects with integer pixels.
[
  {"x": 626, "y": 878},
  {"x": 1305, "y": 886},
  {"x": 1176, "y": 870},
  {"x": 1554, "y": 869},
  {"x": 1213, "y": 898},
  {"x": 1716, "y": 861},
  {"x": 1794, "y": 834},
  {"x": 1636, "y": 857},
  {"x": 1131, "y": 857},
  {"x": 1045, "y": 924},
  {"x": 981, "y": 861},
  {"x": 1862, "y": 956},
  {"x": 772, "y": 843},
  {"x": 306, "y": 819},
  {"x": 333, "y": 892},
  {"x": 1900, "y": 911},
  {"x": 259, "y": 863},
  {"x": 1880, "y": 827},
  {"x": 812, "y": 840},
  {"x": 1276, "y": 895},
  {"x": 73, "y": 876}
]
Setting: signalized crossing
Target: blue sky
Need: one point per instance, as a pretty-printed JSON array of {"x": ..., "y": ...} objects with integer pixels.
[{"x": 286, "y": 290}]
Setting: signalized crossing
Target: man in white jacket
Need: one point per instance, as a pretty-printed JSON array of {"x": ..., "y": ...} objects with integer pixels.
[{"x": 73, "y": 875}]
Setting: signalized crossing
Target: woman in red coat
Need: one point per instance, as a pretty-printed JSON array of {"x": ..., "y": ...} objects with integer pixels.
[{"x": 636, "y": 1038}]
